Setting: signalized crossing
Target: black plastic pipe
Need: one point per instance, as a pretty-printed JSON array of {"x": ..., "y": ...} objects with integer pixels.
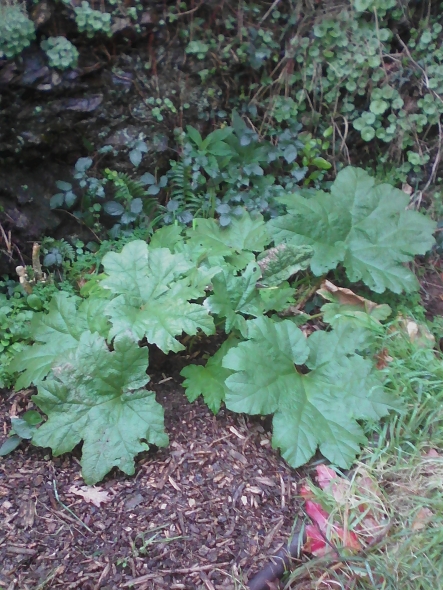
[{"x": 278, "y": 564}]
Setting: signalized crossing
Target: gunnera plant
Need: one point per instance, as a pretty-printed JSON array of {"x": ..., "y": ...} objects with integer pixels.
[{"x": 16, "y": 29}]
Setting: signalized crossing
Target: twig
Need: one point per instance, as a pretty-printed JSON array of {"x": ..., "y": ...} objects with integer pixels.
[
  {"x": 8, "y": 241},
  {"x": 268, "y": 12},
  {"x": 189, "y": 11},
  {"x": 58, "y": 570},
  {"x": 80, "y": 222},
  {"x": 437, "y": 159},
  {"x": 183, "y": 570},
  {"x": 68, "y": 509},
  {"x": 417, "y": 65}
]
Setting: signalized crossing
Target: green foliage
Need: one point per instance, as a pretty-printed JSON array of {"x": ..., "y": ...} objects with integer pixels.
[
  {"x": 90, "y": 355},
  {"x": 381, "y": 6},
  {"x": 62, "y": 54},
  {"x": 315, "y": 408},
  {"x": 16, "y": 29},
  {"x": 159, "y": 106},
  {"x": 132, "y": 205},
  {"x": 210, "y": 380},
  {"x": 21, "y": 428},
  {"x": 232, "y": 169},
  {"x": 54, "y": 333},
  {"x": 15, "y": 316},
  {"x": 151, "y": 290},
  {"x": 359, "y": 58},
  {"x": 127, "y": 199},
  {"x": 362, "y": 225},
  {"x": 98, "y": 396},
  {"x": 17, "y": 310},
  {"x": 92, "y": 22},
  {"x": 56, "y": 252}
]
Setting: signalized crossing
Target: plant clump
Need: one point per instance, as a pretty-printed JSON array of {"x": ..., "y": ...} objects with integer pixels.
[
  {"x": 90, "y": 355},
  {"x": 16, "y": 29},
  {"x": 62, "y": 54},
  {"x": 92, "y": 22}
]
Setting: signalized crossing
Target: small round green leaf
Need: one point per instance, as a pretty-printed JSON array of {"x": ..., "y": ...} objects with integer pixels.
[
  {"x": 32, "y": 417},
  {"x": 379, "y": 106},
  {"x": 113, "y": 208},
  {"x": 368, "y": 133},
  {"x": 34, "y": 302}
]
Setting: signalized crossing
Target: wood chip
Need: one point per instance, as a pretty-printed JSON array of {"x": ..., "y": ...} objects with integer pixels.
[{"x": 237, "y": 433}]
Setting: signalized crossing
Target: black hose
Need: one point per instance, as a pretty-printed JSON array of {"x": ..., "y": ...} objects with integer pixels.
[{"x": 278, "y": 564}]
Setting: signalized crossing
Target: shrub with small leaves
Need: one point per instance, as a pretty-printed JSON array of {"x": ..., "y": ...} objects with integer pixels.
[
  {"x": 16, "y": 30},
  {"x": 62, "y": 54},
  {"x": 92, "y": 21}
]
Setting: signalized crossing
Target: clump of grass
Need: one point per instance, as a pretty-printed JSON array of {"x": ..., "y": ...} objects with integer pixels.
[{"x": 405, "y": 462}]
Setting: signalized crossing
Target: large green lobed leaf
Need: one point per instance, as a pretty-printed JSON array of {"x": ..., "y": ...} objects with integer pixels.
[
  {"x": 235, "y": 243},
  {"x": 97, "y": 396},
  {"x": 209, "y": 381},
  {"x": 316, "y": 387},
  {"x": 55, "y": 333},
  {"x": 153, "y": 289},
  {"x": 364, "y": 226}
]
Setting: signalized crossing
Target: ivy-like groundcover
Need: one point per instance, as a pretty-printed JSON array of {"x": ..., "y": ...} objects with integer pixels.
[{"x": 90, "y": 357}]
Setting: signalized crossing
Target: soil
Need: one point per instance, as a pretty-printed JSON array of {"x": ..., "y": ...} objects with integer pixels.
[
  {"x": 206, "y": 511},
  {"x": 432, "y": 288}
]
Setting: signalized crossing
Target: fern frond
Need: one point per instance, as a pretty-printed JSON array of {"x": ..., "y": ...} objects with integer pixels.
[{"x": 128, "y": 189}]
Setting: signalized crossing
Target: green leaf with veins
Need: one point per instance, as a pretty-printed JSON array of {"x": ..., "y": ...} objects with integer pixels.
[
  {"x": 362, "y": 225},
  {"x": 154, "y": 300},
  {"x": 277, "y": 298},
  {"x": 337, "y": 314},
  {"x": 94, "y": 311},
  {"x": 205, "y": 265},
  {"x": 169, "y": 236},
  {"x": 209, "y": 381},
  {"x": 160, "y": 320},
  {"x": 319, "y": 408},
  {"x": 279, "y": 263},
  {"x": 55, "y": 333},
  {"x": 96, "y": 396},
  {"x": 140, "y": 272},
  {"x": 234, "y": 296},
  {"x": 236, "y": 242}
]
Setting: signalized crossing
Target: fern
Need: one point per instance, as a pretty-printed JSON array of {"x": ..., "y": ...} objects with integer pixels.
[
  {"x": 127, "y": 189},
  {"x": 182, "y": 189}
]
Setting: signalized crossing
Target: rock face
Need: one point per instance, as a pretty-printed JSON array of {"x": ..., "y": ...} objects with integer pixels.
[
  {"x": 49, "y": 119},
  {"x": 25, "y": 214}
]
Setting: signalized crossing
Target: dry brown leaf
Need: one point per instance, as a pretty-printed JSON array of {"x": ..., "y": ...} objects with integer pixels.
[
  {"x": 347, "y": 297},
  {"x": 432, "y": 453},
  {"x": 91, "y": 494},
  {"x": 407, "y": 188},
  {"x": 422, "y": 518},
  {"x": 383, "y": 359},
  {"x": 418, "y": 333}
]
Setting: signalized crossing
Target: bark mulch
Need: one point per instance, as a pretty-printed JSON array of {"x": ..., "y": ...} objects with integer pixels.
[{"x": 202, "y": 514}]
